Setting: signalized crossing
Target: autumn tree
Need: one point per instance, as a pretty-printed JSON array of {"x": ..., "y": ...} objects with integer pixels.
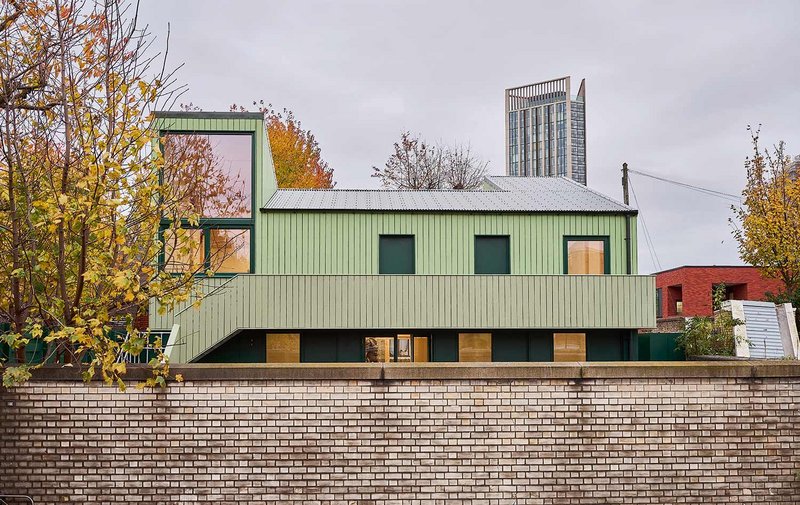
[
  {"x": 417, "y": 164},
  {"x": 463, "y": 169},
  {"x": 296, "y": 154},
  {"x": 82, "y": 204},
  {"x": 767, "y": 224}
]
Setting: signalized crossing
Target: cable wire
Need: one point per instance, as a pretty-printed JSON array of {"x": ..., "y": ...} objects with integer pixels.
[
  {"x": 647, "y": 238},
  {"x": 707, "y": 191}
]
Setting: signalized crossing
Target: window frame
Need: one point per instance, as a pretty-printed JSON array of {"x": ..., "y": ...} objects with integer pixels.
[
  {"x": 573, "y": 333},
  {"x": 475, "y": 333},
  {"x": 205, "y": 224},
  {"x": 659, "y": 303},
  {"x": 413, "y": 252},
  {"x": 396, "y": 343},
  {"x": 595, "y": 238},
  {"x": 475, "y": 253}
]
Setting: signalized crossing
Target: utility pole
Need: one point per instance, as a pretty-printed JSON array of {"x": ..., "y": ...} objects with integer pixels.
[
  {"x": 625, "y": 184},
  {"x": 628, "y": 252}
]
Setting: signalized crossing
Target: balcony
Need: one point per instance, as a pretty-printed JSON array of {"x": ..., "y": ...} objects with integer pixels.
[{"x": 298, "y": 302}]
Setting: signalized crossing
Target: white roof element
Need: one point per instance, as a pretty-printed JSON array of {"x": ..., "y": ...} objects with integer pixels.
[{"x": 502, "y": 194}]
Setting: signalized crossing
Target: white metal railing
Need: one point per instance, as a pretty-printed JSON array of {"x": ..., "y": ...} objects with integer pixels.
[{"x": 149, "y": 351}]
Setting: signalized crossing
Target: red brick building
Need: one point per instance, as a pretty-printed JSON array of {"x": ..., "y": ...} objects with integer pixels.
[{"x": 687, "y": 291}]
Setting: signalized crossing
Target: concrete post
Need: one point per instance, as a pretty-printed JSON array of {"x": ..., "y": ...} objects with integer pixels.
[
  {"x": 736, "y": 308},
  {"x": 788, "y": 326}
]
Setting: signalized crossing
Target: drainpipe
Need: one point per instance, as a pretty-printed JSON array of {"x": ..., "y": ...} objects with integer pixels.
[{"x": 628, "y": 244}]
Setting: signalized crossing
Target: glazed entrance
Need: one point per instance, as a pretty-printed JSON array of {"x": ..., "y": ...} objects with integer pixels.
[{"x": 400, "y": 348}]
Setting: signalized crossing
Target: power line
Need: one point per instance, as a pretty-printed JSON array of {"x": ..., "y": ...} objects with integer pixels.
[
  {"x": 707, "y": 191},
  {"x": 647, "y": 238}
]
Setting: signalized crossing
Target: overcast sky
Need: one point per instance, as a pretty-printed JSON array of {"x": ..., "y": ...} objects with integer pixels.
[{"x": 671, "y": 86}]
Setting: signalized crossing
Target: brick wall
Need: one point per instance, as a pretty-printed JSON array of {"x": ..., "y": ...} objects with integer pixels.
[
  {"x": 691, "y": 433},
  {"x": 697, "y": 283}
]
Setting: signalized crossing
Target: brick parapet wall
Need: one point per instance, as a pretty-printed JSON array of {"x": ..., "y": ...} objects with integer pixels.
[{"x": 571, "y": 434}]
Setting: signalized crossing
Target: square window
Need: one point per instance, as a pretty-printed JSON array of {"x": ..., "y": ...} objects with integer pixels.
[
  {"x": 475, "y": 347},
  {"x": 492, "y": 254},
  {"x": 396, "y": 254},
  {"x": 283, "y": 348},
  {"x": 569, "y": 347},
  {"x": 183, "y": 250},
  {"x": 586, "y": 255},
  {"x": 230, "y": 251}
]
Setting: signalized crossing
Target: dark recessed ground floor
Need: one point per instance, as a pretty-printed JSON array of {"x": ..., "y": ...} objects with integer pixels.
[{"x": 475, "y": 345}]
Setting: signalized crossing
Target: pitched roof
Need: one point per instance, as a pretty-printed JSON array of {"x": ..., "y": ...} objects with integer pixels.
[{"x": 503, "y": 194}]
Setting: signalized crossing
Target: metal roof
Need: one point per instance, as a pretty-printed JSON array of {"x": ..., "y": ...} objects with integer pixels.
[{"x": 504, "y": 194}]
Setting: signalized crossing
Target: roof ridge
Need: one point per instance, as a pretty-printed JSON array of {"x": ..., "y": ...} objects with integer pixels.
[
  {"x": 528, "y": 176},
  {"x": 390, "y": 190},
  {"x": 601, "y": 195}
]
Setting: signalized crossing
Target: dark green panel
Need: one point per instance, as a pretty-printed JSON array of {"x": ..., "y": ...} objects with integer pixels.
[
  {"x": 444, "y": 347},
  {"x": 349, "y": 349},
  {"x": 540, "y": 346},
  {"x": 644, "y": 347},
  {"x": 509, "y": 346},
  {"x": 605, "y": 345},
  {"x": 396, "y": 254},
  {"x": 660, "y": 347},
  {"x": 318, "y": 348},
  {"x": 492, "y": 254},
  {"x": 248, "y": 346}
]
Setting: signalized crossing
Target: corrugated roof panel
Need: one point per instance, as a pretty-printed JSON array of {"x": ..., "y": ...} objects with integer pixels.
[{"x": 513, "y": 194}]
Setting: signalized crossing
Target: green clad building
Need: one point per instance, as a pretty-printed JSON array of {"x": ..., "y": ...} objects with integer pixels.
[{"x": 525, "y": 269}]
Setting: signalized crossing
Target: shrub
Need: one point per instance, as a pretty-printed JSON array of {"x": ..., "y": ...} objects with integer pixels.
[{"x": 714, "y": 336}]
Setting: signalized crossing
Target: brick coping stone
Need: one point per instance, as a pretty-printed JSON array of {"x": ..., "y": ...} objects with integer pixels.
[{"x": 458, "y": 371}]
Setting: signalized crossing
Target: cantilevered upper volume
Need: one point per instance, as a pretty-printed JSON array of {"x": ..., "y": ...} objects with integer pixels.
[
  {"x": 524, "y": 269},
  {"x": 546, "y": 130}
]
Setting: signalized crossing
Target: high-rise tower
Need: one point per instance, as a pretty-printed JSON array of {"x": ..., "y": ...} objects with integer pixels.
[{"x": 546, "y": 130}]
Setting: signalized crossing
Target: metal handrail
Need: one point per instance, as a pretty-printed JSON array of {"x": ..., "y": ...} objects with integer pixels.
[{"x": 4, "y": 497}]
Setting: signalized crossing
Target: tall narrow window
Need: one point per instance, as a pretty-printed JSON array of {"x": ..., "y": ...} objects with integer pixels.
[
  {"x": 492, "y": 254},
  {"x": 658, "y": 303},
  {"x": 209, "y": 177},
  {"x": 475, "y": 347},
  {"x": 569, "y": 347},
  {"x": 396, "y": 254},
  {"x": 586, "y": 255}
]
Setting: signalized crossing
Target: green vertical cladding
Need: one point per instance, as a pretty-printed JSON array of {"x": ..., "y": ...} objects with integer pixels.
[
  {"x": 337, "y": 243},
  {"x": 264, "y": 185},
  {"x": 433, "y": 302},
  {"x": 317, "y": 270}
]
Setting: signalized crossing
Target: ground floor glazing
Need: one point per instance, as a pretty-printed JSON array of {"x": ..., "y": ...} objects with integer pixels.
[{"x": 420, "y": 346}]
